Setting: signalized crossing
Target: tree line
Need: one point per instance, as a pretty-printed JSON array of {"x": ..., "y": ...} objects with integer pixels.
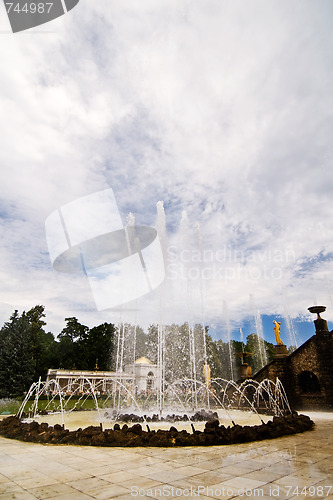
[{"x": 27, "y": 351}]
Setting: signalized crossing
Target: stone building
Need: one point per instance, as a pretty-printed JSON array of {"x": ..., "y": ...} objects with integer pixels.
[
  {"x": 143, "y": 376},
  {"x": 307, "y": 373},
  {"x": 144, "y": 373}
]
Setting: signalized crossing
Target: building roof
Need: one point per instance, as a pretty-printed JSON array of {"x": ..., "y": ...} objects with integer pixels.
[{"x": 143, "y": 361}]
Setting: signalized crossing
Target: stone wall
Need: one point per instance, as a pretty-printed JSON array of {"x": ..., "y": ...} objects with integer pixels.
[{"x": 306, "y": 374}]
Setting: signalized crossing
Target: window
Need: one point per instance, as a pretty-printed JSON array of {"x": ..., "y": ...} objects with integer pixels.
[{"x": 150, "y": 380}]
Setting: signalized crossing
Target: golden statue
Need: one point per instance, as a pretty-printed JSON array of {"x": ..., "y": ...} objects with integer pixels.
[
  {"x": 277, "y": 332},
  {"x": 206, "y": 372}
]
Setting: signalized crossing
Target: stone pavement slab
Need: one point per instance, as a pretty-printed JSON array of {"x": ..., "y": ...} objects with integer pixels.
[{"x": 298, "y": 466}]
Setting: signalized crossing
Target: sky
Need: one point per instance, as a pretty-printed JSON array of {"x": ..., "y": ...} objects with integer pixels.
[{"x": 210, "y": 120}]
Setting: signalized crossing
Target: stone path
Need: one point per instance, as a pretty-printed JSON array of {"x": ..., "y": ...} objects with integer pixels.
[{"x": 298, "y": 466}]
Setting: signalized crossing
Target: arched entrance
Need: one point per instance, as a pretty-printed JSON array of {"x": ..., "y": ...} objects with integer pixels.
[{"x": 309, "y": 383}]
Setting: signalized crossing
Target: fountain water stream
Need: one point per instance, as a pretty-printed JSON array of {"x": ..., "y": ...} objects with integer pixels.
[
  {"x": 260, "y": 333},
  {"x": 231, "y": 354},
  {"x": 224, "y": 395}
]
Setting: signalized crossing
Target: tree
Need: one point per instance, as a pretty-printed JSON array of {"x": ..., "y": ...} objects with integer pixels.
[
  {"x": 81, "y": 347},
  {"x": 26, "y": 351},
  {"x": 39, "y": 339},
  {"x": 261, "y": 350},
  {"x": 17, "y": 364},
  {"x": 49, "y": 357},
  {"x": 223, "y": 359},
  {"x": 72, "y": 347},
  {"x": 100, "y": 346}
]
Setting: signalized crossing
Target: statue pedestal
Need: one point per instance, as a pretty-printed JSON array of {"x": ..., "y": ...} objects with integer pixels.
[
  {"x": 281, "y": 351},
  {"x": 321, "y": 325},
  {"x": 246, "y": 371}
]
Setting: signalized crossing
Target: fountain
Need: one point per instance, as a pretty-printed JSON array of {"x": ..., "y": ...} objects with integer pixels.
[
  {"x": 175, "y": 394},
  {"x": 224, "y": 396},
  {"x": 265, "y": 402},
  {"x": 206, "y": 410}
]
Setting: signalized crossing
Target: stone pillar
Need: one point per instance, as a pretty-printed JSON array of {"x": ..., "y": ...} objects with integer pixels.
[
  {"x": 281, "y": 351},
  {"x": 321, "y": 325},
  {"x": 246, "y": 371}
]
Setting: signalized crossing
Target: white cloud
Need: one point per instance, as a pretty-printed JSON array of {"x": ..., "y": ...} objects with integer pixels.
[{"x": 221, "y": 109}]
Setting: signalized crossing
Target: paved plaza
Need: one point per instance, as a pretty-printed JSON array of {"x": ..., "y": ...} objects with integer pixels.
[{"x": 298, "y": 466}]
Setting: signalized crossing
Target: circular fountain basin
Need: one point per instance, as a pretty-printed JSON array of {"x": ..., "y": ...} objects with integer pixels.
[{"x": 215, "y": 433}]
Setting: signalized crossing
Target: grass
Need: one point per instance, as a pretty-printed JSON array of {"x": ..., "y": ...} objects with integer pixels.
[
  {"x": 12, "y": 406},
  {"x": 9, "y": 406}
]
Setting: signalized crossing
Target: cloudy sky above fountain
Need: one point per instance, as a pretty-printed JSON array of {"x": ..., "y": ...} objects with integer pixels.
[{"x": 222, "y": 110}]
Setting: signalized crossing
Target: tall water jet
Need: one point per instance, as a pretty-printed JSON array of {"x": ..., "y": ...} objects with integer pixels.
[
  {"x": 242, "y": 338},
  {"x": 161, "y": 367},
  {"x": 259, "y": 331},
  {"x": 130, "y": 223},
  {"x": 291, "y": 330},
  {"x": 185, "y": 245},
  {"x": 289, "y": 322},
  {"x": 119, "y": 361},
  {"x": 125, "y": 357},
  {"x": 129, "y": 341},
  {"x": 193, "y": 365},
  {"x": 160, "y": 226},
  {"x": 228, "y": 329},
  {"x": 200, "y": 248},
  {"x": 161, "y": 231},
  {"x": 201, "y": 261}
]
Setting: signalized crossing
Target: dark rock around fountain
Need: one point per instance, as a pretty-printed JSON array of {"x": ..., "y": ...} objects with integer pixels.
[
  {"x": 199, "y": 416},
  {"x": 214, "y": 433}
]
